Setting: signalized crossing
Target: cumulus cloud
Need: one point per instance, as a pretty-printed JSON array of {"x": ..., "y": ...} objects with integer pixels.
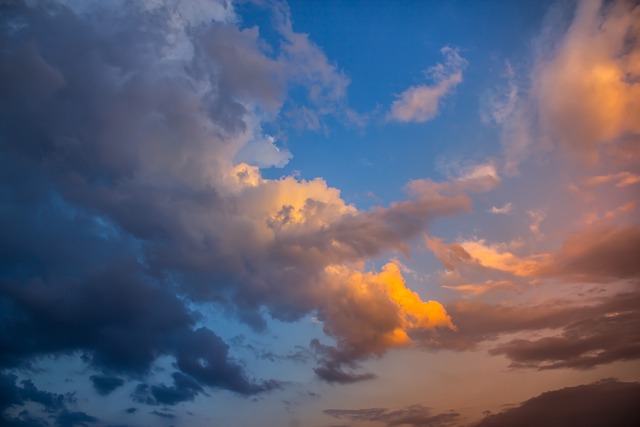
[
  {"x": 374, "y": 313},
  {"x": 131, "y": 140},
  {"x": 421, "y": 103},
  {"x": 604, "y": 403}
]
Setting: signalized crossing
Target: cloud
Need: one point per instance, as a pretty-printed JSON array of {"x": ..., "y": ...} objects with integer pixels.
[
  {"x": 306, "y": 65},
  {"x": 55, "y": 405},
  {"x": 595, "y": 68},
  {"x": 536, "y": 216},
  {"x": 604, "y": 403},
  {"x": 503, "y": 210},
  {"x": 132, "y": 142},
  {"x": 478, "y": 289},
  {"x": 184, "y": 388},
  {"x": 477, "y": 262},
  {"x": 598, "y": 253},
  {"x": 121, "y": 324},
  {"x": 104, "y": 384},
  {"x": 479, "y": 178},
  {"x": 373, "y": 313},
  {"x": 493, "y": 256},
  {"x": 584, "y": 91},
  {"x": 621, "y": 179},
  {"x": 500, "y": 104},
  {"x": 415, "y": 416},
  {"x": 421, "y": 103},
  {"x": 609, "y": 335},
  {"x": 575, "y": 334}
]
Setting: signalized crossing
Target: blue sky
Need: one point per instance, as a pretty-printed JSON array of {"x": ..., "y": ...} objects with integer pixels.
[{"x": 319, "y": 213}]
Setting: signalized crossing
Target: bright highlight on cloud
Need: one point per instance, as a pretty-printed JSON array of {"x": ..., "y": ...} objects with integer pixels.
[{"x": 370, "y": 313}]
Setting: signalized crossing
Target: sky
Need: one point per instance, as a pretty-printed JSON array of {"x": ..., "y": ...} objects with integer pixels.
[{"x": 319, "y": 213}]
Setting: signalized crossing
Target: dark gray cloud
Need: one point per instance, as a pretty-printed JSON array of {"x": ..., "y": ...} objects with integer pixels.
[
  {"x": 586, "y": 334},
  {"x": 332, "y": 372},
  {"x": 605, "y": 337},
  {"x": 605, "y": 403},
  {"x": 82, "y": 113},
  {"x": 55, "y": 405},
  {"x": 414, "y": 416},
  {"x": 104, "y": 384},
  {"x": 336, "y": 366},
  {"x": 12, "y": 394},
  {"x": 184, "y": 388}
]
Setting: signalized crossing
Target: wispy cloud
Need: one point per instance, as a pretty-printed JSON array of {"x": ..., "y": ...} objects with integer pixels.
[{"x": 421, "y": 103}]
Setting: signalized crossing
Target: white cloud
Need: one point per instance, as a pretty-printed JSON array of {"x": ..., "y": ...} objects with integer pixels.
[
  {"x": 536, "y": 216},
  {"x": 503, "y": 210}
]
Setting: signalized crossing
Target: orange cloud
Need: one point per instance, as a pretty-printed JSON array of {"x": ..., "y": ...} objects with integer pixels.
[
  {"x": 584, "y": 91},
  {"x": 306, "y": 241},
  {"x": 479, "y": 289},
  {"x": 621, "y": 179},
  {"x": 598, "y": 253},
  {"x": 370, "y": 313},
  {"x": 373, "y": 312},
  {"x": 587, "y": 91},
  {"x": 494, "y": 257}
]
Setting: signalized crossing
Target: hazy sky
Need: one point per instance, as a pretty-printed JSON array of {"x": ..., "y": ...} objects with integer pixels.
[{"x": 319, "y": 213}]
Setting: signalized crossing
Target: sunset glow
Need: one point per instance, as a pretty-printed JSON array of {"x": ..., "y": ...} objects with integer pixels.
[{"x": 319, "y": 213}]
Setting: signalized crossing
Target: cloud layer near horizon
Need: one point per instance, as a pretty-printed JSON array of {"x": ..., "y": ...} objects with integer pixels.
[{"x": 604, "y": 403}]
